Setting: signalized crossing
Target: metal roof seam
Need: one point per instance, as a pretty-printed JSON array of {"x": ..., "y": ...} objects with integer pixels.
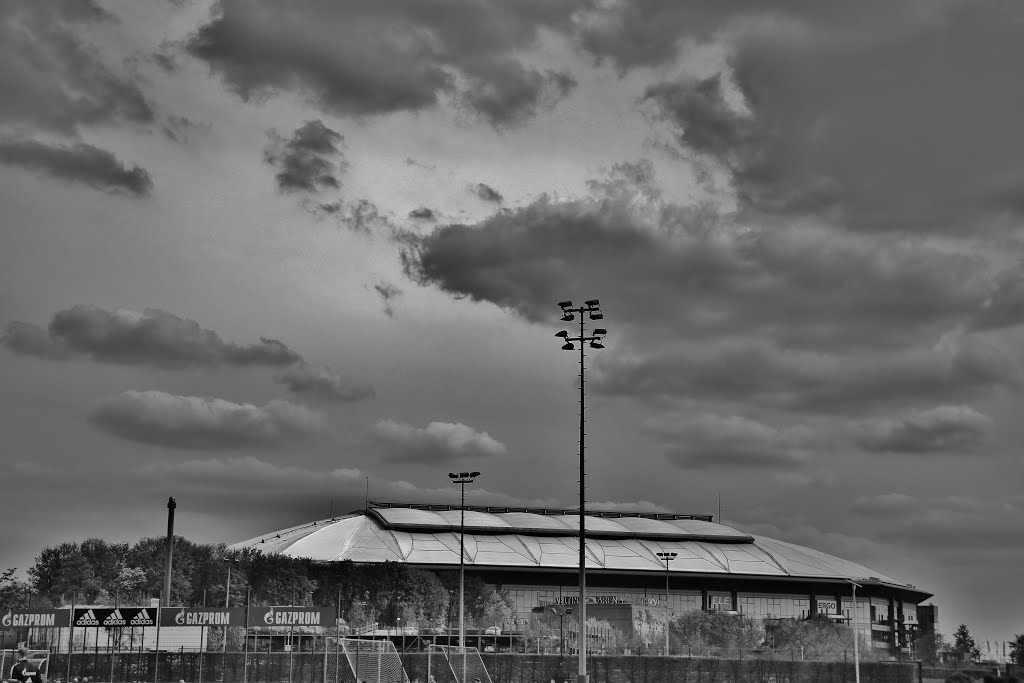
[{"x": 714, "y": 557}]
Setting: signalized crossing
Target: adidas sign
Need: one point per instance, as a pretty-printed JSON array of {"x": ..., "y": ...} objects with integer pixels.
[
  {"x": 87, "y": 619},
  {"x": 142, "y": 618},
  {"x": 115, "y": 619}
]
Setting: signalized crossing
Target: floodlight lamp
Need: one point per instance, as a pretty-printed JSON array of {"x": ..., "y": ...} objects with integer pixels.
[
  {"x": 474, "y": 474},
  {"x": 562, "y": 334},
  {"x": 564, "y": 304},
  {"x": 593, "y": 303},
  {"x": 568, "y": 317},
  {"x": 452, "y": 475},
  {"x": 599, "y": 331},
  {"x": 596, "y": 345},
  {"x": 567, "y": 346},
  {"x": 597, "y": 316}
]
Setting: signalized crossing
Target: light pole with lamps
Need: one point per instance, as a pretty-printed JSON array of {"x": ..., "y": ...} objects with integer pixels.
[
  {"x": 666, "y": 558},
  {"x": 462, "y": 478},
  {"x": 593, "y": 309},
  {"x": 856, "y": 637}
]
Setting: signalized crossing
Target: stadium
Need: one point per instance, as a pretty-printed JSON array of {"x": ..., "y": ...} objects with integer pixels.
[{"x": 533, "y": 554}]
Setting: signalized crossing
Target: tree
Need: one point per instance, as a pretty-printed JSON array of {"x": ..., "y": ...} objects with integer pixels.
[
  {"x": 697, "y": 629},
  {"x": 965, "y": 645},
  {"x": 1017, "y": 649},
  {"x": 14, "y": 592},
  {"x": 499, "y": 608},
  {"x": 930, "y": 645},
  {"x": 818, "y": 638},
  {"x": 44, "y": 574}
]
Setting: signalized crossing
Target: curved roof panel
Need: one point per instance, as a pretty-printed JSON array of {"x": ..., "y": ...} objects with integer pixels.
[{"x": 545, "y": 539}]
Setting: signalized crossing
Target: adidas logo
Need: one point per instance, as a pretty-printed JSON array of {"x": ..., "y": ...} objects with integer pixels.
[
  {"x": 87, "y": 619},
  {"x": 141, "y": 618},
  {"x": 115, "y": 619}
]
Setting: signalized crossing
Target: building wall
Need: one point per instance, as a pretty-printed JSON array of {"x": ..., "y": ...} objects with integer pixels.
[{"x": 878, "y": 631}]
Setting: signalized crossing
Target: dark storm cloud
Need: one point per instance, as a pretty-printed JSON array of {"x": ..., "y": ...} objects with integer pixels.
[
  {"x": 807, "y": 381},
  {"x": 31, "y": 340},
  {"x": 154, "y": 337},
  {"x": 191, "y": 422},
  {"x": 507, "y": 94},
  {"x": 841, "y": 119},
  {"x": 369, "y": 58},
  {"x": 959, "y": 430},
  {"x": 801, "y": 317},
  {"x": 54, "y": 81},
  {"x": 78, "y": 163},
  {"x": 662, "y": 265},
  {"x": 438, "y": 442},
  {"x": 953, "y": 524},
  {"x": 309, "y": 161},
  {"x": 422, "y": 213},
  {"x": 708, "y": 441},
  {"x": 487, "y": 193},
  {"x": 324, "y": 383}
]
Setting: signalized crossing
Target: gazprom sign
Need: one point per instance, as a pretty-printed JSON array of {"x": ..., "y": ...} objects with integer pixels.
[
  {"x": 290, "y": 615},
  {"x": 202, "y": 616},
  {"x": 36, "y": 618}
]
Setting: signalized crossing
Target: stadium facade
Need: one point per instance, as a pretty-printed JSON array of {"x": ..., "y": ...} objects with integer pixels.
[{"x": 533, "y": 553}]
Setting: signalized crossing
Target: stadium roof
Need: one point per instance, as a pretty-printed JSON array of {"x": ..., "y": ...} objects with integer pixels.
[{"x": 545, "y": 538}]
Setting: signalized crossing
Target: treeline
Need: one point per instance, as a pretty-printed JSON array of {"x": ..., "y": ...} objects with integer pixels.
[{"x": 96, "y": 572}]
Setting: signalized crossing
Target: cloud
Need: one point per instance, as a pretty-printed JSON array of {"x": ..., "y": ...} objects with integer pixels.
[
  {"x": 52, "y": 79},
  {"x": 708, "y": 441},
  {"x": 1004, "y": 307},
  {"x": 809, "y": 134},
  {"x": 327, "y": 55},
  {"x": 422, "y": 213},
  {"x": 177, "y": 128},
  {"x": 79, "y": 163},
  {"x": 324, "y": 383},
  {"x": 886, "y": 505},
  {"x": 309, "y": 161},
  {"x": 507, "y": 94},
  {"x": 153, "y": 337},
  {"x": 223, "y": 480},
  {"x": 692, "y": 271},
  {"x": 944, "y": 524},
  {"x": 437, "y": 442},
  {"x": 487, "y": 193},
  {"x": 748, "y": 371},
  {"x": 388, "y": 293},
  {"x": 944, "y": 429},
  {"x": 409, "y": 161},
  {"x": 191, "y": 422},
  {"x": 27, "y": 339}
]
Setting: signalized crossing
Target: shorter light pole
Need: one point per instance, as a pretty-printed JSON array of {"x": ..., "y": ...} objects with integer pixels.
[
  {"x": 666, "y": 558},
  {"x": 856, "y": 637},
  {"x": 462, "y": 478},
  {"x": 562, "y": 611}
]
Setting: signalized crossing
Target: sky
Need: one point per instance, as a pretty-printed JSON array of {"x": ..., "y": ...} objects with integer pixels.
[{"x": 264, "y": 257}]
